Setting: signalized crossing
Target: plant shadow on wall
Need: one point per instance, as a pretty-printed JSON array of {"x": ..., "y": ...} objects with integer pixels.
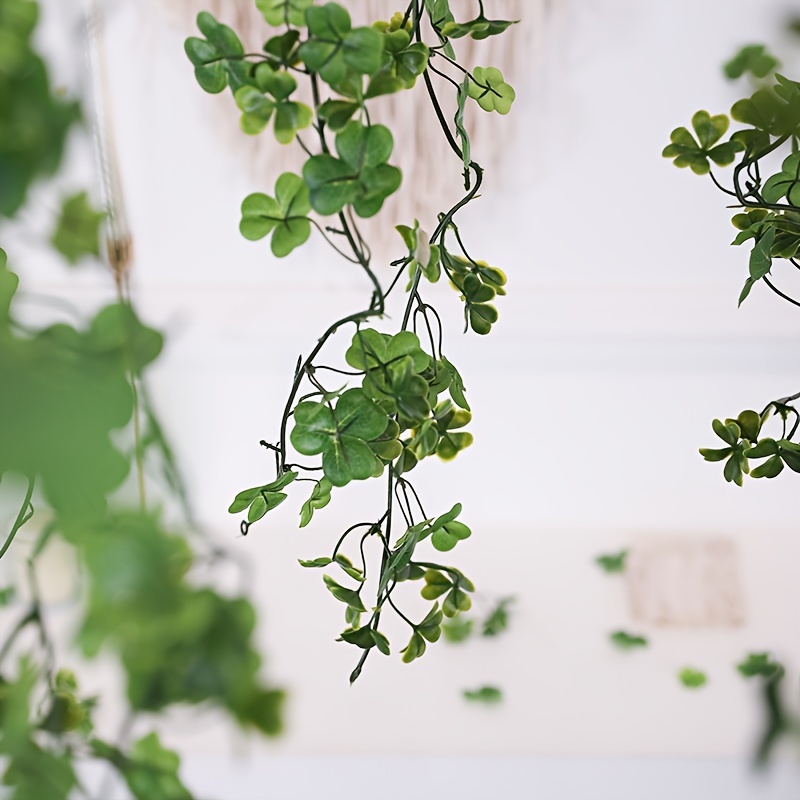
[
  {"x": 77, "y": 433},
  {"x": 764, "y": 190},
  {"x": 402, "y": 400}
]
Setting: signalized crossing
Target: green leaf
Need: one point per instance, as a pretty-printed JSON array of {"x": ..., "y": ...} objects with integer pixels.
[
  {"x": 320, "y": 497},
  {"x": 347, "y": 458},
  {"x": 449, "y": 535},
  {"x": 313, "y": 429},
  {"x": 613, "y": 562},
  {"x": 750, "y": 424},
  {"x": 761, "y": 256},
  {"x": 694, "y": 153},
  {"x": 331, "y": 183},
  {"x": 256, "y": 109},
  {"x": 692, "y": 678},
  {"x": 748, "y": 285},
  {"x": 284, "y": 216},
  {"x": 457, "y": 630},
  {"x": 357, "y": 415},
  {"x": 414, "y": 649},
  {"x": 77, "y": 233},
  {"x": 284, "y": 12},
  {"x": 715, "y": 455},
  {"x": 323, "y": 561},
  {"x": 436, "y": 584},
  {"x": 497, "y": 621},
  {"x": 461, "y": 129},
  {"x": 457, "y": 600},
  {"x": 481, "y": 317},
  {"x": 627, "y": 641},
  {"x": 760, "y": 664},
  {"x": 215, "y": 56},
  {"x": 333, "y": 47},
  {"x": 728, "y": 433},
  {"x": 361, "y": 637},
  {"x": 488, "y": 695},
  {"x": 337, "y": 113},
  {"x": 359, "y": 177},
  {"x": 771, "y": 468},
  {"x": 344, "y": 594},
  {"x": 766, "y": 447},
  {"x": 362, "y": 50},
  {"x": 753, "y": 58},
  {"x": 431, "y": 627},
  {"x": 246, "y": 497},
  {"x": 456, "y": 387},
  {"x": 152, "y": 772},
  {"x": 491, "y": 92},
  {"x": 478, "y": 28},
  {"x": 709, "y": 130}
]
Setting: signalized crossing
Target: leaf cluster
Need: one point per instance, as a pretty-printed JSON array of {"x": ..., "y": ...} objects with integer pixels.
[{"x": 744, "y": 442}]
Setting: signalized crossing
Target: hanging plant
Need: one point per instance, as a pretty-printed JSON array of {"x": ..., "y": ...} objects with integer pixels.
[{"x": 404, "y": 401}]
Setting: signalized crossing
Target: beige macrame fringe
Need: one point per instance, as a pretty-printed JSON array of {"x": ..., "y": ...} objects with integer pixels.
[{"x": 420, "y": 149}]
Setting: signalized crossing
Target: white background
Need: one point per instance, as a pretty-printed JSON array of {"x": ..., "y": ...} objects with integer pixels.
[{"x": 618, "y": 342}]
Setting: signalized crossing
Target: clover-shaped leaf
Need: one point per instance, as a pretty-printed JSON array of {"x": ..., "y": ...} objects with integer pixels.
[
  {"x": 284, "y": 12},
  {"x": 217, "y": 59},
  {"x": 738, "y": 434},
  {"x": 688, "y": 151},
  {"x": 359, "y": 176},
  {"x": 393, "y": 367},
  {"x": 491, "y": 92},
  {"x": 446, "y": 532},
  {"x": 775, "y": 111},
  {"x": 478, "y": 28},
  {"x": 478, "y": 284},
  {"x": 760, "y": 664},
  {"x": 283, "y": 215},
  {"x": 257, "y": 108},
  {"x": 786, "y": 183},
  {"x": 753, "y": 58},
  {"x": 448, "y": 420},
  {"x": 340, "y": 435},
  {"x": 334, "y": 46},
  {"x": 77, "y": 233},
  {"x": 403, "y": 63}
]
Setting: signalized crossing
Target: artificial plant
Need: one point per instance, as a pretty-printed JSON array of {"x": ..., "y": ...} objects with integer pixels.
[
  {"x": 403, "y": 399},
  {"x": 764, "y": 190},
  {"x": 76, "y": 430}
]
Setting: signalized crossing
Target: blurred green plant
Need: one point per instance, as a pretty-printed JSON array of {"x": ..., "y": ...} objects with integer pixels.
[
  {"x": 70, "y": 396},
  {"x": 692, "y": 678},
  {"x": 779, "y": 723},
  {"x": 487, "y": 695},
  {"x": 405, "y": 401},
  {"x": 627, "y": 641}
]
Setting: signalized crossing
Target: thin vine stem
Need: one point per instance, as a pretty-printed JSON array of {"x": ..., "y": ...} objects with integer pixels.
[{"x": 23, "y": 515}]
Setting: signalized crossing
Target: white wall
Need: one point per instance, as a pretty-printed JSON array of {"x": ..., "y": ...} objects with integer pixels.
[{"x": 618, "y": 342}]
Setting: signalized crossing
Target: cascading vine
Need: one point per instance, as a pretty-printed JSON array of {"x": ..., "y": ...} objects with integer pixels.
[{"x": 404, "y": 400}]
